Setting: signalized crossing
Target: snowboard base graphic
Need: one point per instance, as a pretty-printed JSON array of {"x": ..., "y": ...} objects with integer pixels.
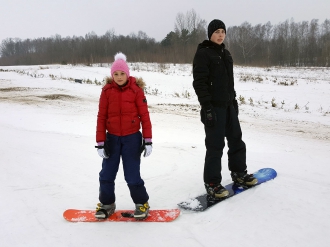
[{"x": 203, "y": 202}]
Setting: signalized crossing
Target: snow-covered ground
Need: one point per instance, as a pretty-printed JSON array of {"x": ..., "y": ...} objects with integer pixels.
[{"x": 48, "y": 162}]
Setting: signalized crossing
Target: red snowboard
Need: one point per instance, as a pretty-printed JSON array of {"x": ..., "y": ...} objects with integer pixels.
[{"x": 75, "y": 215}]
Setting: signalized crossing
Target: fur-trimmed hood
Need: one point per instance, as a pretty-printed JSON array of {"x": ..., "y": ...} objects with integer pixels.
[{"x": 139, "y": 81}]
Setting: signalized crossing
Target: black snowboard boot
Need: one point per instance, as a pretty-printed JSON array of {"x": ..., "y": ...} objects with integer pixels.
[
  {"x": 104, "y": 211},
  {"x": 141, "y": 211},
  {"x": 244, "y": 179},
  {"x": 216, "y": 190}
]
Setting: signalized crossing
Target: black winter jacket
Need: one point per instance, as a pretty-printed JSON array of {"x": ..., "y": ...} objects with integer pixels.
[{"x": 213, "y": 75}]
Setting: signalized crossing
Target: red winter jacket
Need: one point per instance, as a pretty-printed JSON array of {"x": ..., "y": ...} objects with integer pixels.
[{"x": 122, "y": 110}]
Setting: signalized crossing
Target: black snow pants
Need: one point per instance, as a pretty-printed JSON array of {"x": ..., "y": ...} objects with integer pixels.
[{"x": 226, "y": 126}]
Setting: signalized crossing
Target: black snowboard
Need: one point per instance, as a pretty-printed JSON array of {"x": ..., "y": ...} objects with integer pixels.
[{"x": 203, "y": 202}]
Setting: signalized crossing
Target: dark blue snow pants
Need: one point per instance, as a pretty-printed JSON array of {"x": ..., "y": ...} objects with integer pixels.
[
  {"x": 128, "y": 148},
  {"x": 226, "y": 126}
]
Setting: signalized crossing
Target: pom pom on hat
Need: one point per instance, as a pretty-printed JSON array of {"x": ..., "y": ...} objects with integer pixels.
[
  {"x": 121, "y": 56},
  {"x": 120, "y": 64}
]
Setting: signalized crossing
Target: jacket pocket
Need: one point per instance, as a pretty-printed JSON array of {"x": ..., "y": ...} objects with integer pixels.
[{"x": 135, "y": 123}]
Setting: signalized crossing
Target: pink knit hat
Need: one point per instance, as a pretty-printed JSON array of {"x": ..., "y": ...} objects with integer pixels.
[{"x": 120, "y": 64}]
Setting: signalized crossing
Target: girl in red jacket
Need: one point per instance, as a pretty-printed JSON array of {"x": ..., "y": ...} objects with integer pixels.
[{"x": 122, "y": 110}]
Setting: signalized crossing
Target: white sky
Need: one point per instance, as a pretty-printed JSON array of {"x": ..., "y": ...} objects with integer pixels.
[{"x": 44, "y": 18}]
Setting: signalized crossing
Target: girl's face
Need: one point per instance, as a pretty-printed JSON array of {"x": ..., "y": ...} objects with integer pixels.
[
  {"x": 218, "y": 36},
  {"x": 120, "y": 77}
]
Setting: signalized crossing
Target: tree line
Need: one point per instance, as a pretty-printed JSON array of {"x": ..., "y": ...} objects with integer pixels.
[{"x": 285, "y": 44}]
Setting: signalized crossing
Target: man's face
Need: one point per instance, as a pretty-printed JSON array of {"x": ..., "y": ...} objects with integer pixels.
[{"x": 218, "y": 36}]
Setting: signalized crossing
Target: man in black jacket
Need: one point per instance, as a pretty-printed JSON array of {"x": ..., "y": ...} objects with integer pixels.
[{"x": 214, "y": 86}]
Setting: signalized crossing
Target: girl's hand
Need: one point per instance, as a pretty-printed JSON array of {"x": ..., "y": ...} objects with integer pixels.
[
  {"x": 146, "y": 147},
  {"x": 101, "y": 151}
]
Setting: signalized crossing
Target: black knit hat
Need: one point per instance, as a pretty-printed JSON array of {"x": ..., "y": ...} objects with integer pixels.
[{"x": 215, "y": 25}]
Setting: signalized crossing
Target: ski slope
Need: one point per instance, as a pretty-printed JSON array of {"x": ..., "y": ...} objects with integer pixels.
[{"x": 48, "y": 162}]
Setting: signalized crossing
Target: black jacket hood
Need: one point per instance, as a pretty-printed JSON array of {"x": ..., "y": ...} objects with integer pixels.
[{"x": 209, "y": 44}]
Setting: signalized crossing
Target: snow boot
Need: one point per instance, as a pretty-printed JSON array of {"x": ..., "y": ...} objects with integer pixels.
[
  {"x": 141, "y": 211},
  {"x": 104, "y": 211},
  {"x": 244, "y": 179},
  {"x": 216, "y": 190}
]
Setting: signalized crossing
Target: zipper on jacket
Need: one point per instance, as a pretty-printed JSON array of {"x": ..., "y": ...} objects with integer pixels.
[{"x": 120, "y": 112}]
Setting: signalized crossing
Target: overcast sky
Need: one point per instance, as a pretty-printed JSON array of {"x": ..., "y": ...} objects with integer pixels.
[{"x": 44, "y": 18}]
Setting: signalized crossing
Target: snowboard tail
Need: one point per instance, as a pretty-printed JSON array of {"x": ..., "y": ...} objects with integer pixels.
[
  {"x": 203, "y": 202},
  {"x": 76, "y": 215}
]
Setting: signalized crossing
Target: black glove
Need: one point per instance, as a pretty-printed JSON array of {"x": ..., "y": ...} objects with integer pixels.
[
  {"x": 210, "y": 116},
  {"x": 235, "y": 104}
]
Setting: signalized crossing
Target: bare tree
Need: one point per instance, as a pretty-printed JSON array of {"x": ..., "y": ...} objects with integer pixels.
[{"x": 245, "y": 38}]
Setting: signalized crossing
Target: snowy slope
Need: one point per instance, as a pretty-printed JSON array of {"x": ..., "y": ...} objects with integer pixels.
[{"x": 48, "y": 162}]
